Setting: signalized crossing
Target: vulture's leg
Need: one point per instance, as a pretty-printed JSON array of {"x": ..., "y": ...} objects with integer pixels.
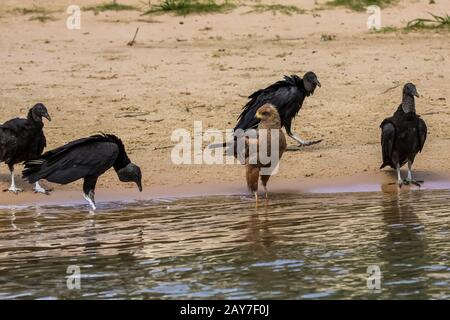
[
  {"x": 294, "y": 136},
  {"x": 38, "y": 189},
  {"x": 399, "y": 176},
  {"x": 409, "y": 179},
  {"x": 90, "y": 199},
  {"x": 13, "y": 187},
  {"x": 88, "y": 189},
  {"x": 304, "y": 143}
]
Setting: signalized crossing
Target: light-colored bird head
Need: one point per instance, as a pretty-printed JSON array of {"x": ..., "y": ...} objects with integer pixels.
[{"x": 268, "y": 113}]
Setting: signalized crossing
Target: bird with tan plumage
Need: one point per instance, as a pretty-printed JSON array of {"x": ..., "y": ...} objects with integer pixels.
[{"x": 262, "y": 150}]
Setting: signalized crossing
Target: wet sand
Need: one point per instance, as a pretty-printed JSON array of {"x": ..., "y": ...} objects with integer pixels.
[{"x": 383, "y": 182}]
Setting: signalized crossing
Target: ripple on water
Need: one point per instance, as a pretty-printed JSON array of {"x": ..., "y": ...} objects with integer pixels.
[{"x": 297, "y": 247}]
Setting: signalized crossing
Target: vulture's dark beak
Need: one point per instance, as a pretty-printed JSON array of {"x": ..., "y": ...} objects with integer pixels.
[
  {"x": 47, "y": 116},
  {"x": 416, "y": 94},
  {"x": 318, "y": 84},
  {"x": 139, "y": 185}
]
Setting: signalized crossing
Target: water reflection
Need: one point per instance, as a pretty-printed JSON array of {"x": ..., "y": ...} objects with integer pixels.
[
  {"x": 296, "y": 247},
  {"x": 404, "y": 246}
]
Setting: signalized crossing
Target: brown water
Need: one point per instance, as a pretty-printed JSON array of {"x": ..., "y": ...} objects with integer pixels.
[{"x": 300, "y": 246}]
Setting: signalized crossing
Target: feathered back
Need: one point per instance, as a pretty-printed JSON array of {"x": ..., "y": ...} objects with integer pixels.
[
  {"x": 286, "y": 95},
  {"x": 52, "y": 157},
  {"x": 288, "y": 81}
]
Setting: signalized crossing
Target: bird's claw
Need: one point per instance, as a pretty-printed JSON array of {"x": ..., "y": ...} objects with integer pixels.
[
  {"x": 310, "y": 143},
  {"x": 417, "y": 183},
  {"x": 42, "y": 190},
  {"x": 13, "y": 190}
]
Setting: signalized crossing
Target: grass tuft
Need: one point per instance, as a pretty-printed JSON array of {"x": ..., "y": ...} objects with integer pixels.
[
  {"x": 38, "y": 13},
  {"x": 360, "y": 5},
  {"x": 436, "y": 22},
  {"x": 42, "y": 18},
  {"x": 110, "y": 6},
  {"x": 34, "y": 10},
  {"x": 277, "y": 8},
  {"x": 186, "y": 7}
]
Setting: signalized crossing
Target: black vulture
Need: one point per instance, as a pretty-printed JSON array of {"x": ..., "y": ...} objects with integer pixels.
[
  {"x": 22, "y": 140},
  {"x": 403, "y": 135},
  {"x": 87, "y": 159},
  {"x": 270, "y": 122},
  {"x": 287, "y": 96}
]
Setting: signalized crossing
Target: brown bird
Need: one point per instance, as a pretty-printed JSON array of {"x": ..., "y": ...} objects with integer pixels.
[{"x": 261, "y": 163}]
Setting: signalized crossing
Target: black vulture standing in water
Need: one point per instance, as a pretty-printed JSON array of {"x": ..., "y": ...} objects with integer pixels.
[
  {"x": 403, "y": 135},
  {"x": 22, "y": 140},
  {"x": 287, "y": 96},
  {"x": 87, "y": 159}
]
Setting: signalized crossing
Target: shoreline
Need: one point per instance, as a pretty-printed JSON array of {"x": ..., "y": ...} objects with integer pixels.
[
  {"x": 91, "y": 80},
  {"x": 383, "y": 182}
]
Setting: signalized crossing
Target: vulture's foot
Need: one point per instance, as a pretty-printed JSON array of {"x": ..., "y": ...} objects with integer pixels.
[
  {"x": 90, "y": 199},
  {"x": 310, "y": 142},
  {"x": 417, "y": 183},
  {"x": 39, "y": 189},
  {"x": 399, "y": 183},
  {"x": 13, "y": 189}
]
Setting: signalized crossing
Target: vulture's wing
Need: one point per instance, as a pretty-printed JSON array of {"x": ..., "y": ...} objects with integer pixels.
[
  {"x": 387, "y": 141},
  {"x": 8, "y": 144},
  {"x": 78, "y": 159},
  {"x": 282, "y": 94},
  {"x": 19, "y": 128},
  {"x": 15, "y": 125},
  {"x": 422, "y": 131}
]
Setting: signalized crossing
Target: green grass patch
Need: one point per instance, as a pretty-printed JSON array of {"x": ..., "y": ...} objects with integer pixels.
[
  {"x": 277, "y": 8},
  {"x": 186, "y": 7},
  {"x": 360, "y": 5},
  {"x": 435, "y": 22},
  {"x": 110, "y": 6}
]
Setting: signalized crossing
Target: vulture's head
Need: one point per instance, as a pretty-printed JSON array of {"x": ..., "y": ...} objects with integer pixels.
[
  {"x": 311, "y": 82},
  {"x": 39, "y": 111},
  {"x": 410, "y": 90},
  {"x": 268, "y": 113},
  {"x": 131, "y": 173}
]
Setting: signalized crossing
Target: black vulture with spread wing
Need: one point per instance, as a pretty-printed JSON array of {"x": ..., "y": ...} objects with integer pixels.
[{"x": 86, "y": 158}]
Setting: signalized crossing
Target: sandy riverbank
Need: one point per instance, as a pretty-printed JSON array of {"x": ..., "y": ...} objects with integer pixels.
[{"x": 201, "y": 68}]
